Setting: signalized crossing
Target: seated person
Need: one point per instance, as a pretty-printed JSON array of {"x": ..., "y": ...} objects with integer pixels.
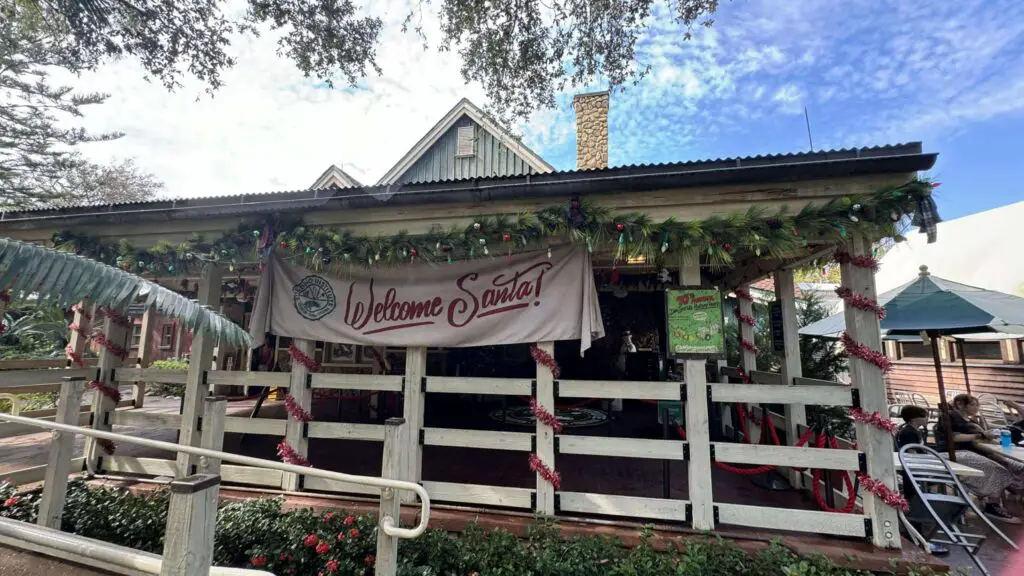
[
  {"x": 966, "y": 440},
  {"x": 914, "y": 420}
]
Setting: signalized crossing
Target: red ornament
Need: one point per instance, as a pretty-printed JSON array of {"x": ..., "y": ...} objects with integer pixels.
[
  {"x": 727, "y": 247},
  {"x": 544, "y": 416},
  {"x": 413, "y": 252},
  {"x": 542, "y": 357},
  {"x": 713, "y": 242},
  {"x": 506, "y": 236},
  {"x": 284, "y": 244},
  {"x": 545, "y": 472},
  {"x": 858, "y": 350},
  {"x": 619, "y": 227},
  {"x": 295, "y": 411}
]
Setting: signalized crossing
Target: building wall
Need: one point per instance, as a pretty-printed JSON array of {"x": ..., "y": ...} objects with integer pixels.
[
  {"x": 490, "y": 158},
  {"x": 1002, "y": 377}
]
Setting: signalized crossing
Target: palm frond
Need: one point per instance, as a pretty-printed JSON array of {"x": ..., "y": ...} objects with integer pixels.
[{"x": 64, "y": 279}]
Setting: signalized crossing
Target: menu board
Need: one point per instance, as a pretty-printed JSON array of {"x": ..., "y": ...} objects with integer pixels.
[{"x": 694, "y": 323}]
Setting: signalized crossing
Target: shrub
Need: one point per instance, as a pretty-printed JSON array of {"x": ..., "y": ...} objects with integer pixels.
[
  {"x": 164, "y": 389},
  {"x": 259, "y": 534}
]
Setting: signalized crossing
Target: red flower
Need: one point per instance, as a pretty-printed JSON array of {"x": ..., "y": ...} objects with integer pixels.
[
  {"x": 341, "y": 536},
  {"x": 311, "y": 540},
  {"x": 323, "y": 548},
  {"x": 284, "y": 557},
  {"x": 11, "y": 501},
  {"x": 370, "y": 560},
  {"x": 350, "y": 520},
  {"x": 328, "y": 516},
  {"x": 353, "y": 533},
  {"x": 332, "y": 566},
  {"x": 258, "y": 560}
]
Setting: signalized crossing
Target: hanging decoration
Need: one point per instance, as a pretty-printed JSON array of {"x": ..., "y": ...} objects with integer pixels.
[
  {"x": 114, "y": 316},
  {"x": 720, "y": 239},
  {"x": 543, "y": 416},
  {"x": 289, "y": 455},
  {"x": 747, "y": 344},
  {"x": 545, "y": 359},
  {"x": 743, "y": 294},
  {"x": 868, "y": 262},
  {"x": 858, "y": 350},
  {"x": 873, "y": 419},
  {"x": 113, "y": 348},
  {"x": 74, "y": 327},
  {"x": 743, "y": 375},
  {"x": 74, "y": 357},
  {"x": 295, "y": 411},
  {"x": 744, "y": 318},
  {"x": 890, "y": 497},
  {"x": 79, "y": 309},
  {"x": 858, "y": 301},
  {"x": 300, "y": 357},
  {"x": 549, "y": 475},
  {"x": 108, "y": 391}
]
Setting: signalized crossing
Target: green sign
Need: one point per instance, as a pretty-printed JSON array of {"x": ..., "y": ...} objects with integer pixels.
[
  {"x": 671, "y": 408},
  {"x": 694, "y": 319}
]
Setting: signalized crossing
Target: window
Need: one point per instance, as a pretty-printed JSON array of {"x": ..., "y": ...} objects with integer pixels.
[
  {"x": 467, "y": 141},
  {"x": 983, "y": 350},
  {"x": 166, "y": 336},
  {"x": 136, "y": 335},
  {"x": 915, "y": 350}
]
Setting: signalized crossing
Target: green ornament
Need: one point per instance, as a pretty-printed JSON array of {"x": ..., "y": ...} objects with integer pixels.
[
  {"x": 664, "y": 247},
  {"x": 256, "y": 233},
  {"x": 308, "y": 249},
  {"x": 170, "y": 267}
]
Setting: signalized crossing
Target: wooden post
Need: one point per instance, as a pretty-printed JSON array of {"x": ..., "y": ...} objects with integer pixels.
[
  {"x": 295, "y": 431},
  {"x": 212, "y": 435},
  {"x": 78, "y": 338},
  {"x": 545, "y": 435},
  {"x": 191, "y": 521},
  {"x": 748, "y": 359},
  {"x": 195, "y": 381},
  {"x": 862, "y": 326},
  {"x": 62, "y": 447},
  {"x": 103, "y": 405},
  {"x": 415, "y": 401},
  {"x": 390, "y": 503},
  {"x": 145, "y": 356},
  {"x": 698, "y": 432},
  {"x": 791, "y": 367}
]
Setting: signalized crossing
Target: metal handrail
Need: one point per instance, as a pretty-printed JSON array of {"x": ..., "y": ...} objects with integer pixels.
[
  {"x": 96, "y": 553},
  {"x": 387, "y": 524}
]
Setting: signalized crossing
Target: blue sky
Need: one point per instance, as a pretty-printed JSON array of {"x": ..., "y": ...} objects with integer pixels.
[
  {"x": 949, "y": 73},
  {"x": 871, "y": 72}
]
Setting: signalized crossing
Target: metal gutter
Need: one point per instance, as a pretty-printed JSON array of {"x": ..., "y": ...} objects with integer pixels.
[{"x": 582, "y": 183}]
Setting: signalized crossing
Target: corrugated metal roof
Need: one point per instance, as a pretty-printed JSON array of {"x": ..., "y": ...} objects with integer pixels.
[{"x": 899, "y": 158}]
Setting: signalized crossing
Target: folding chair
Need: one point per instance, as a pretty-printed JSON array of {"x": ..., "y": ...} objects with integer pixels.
[
  {"x": 992, "y": 413},
  {"x": 924, "y": 467}
]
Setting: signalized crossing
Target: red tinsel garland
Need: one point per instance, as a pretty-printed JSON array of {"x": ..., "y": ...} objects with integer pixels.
[
  {"x": 108, "y": 446},
  {"x": 115, "y": 349},
  {"x": 873, "y": 419},
  {"x": 74, "y": 327},
  {"x": 866, "y": 354},
  {"x": 75, "y": 358},
  {"x": 114, "y": 316},
  {"x": 289, "y": 455},
  {"x": 542, "y": 357},
  {"x": 859, "y": 261},
  {"x": 78, "y": 308},
  {"x": 549, "y": 475},
  {"x": 745, "y": 318},
  {"x": 295, "y": 411},
  {"x": 890, "y": 497},
  {"x": 748, "y": 345},
  {"x": 743, "y": 294},
  {"x": 858, "y": 301},
  {"x": 544, "y": 416},
  {"x": 108, "y": 391},
  {"x": 743, "y": 375},
  {"x": 300, "y": 357}
]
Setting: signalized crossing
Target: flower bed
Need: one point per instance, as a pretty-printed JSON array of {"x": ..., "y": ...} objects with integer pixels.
[{"x": 259, "y": 534}]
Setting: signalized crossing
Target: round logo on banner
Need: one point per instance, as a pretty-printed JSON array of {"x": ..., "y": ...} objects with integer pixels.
[{"x": 314, "y": 298}]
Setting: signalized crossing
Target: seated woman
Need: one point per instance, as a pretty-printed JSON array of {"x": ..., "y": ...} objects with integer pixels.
[{"x": 967, "y": 439}]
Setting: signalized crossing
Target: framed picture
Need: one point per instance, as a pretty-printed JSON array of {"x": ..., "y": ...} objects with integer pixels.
[{"x": 343, "y": 353}]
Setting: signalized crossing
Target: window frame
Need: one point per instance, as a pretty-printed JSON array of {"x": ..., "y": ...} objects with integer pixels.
[{"x": 167, "y": 332}]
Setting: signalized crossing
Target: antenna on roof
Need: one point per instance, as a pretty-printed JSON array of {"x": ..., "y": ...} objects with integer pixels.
[{"x": 807, "y": 119}]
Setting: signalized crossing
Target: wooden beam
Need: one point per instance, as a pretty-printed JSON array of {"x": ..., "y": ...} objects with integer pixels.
[
  {"x": 628, "y": 506},
  {"x": 479, "y": 494},
  {"x": 863, "y": 328},
  {"x": 196, "y": 387},
  {"x": 622, "y": 447},
  {"x": 481, "y": 439},
  {"x": 790, "y": 363},
  {"x": 302, "y": 396},
  {"x": 145, "y": 355},
  {"x": 618, "y": 389},
  {"x": 58, "y": 462},
  {"x": 780, "y": 394},
  {"x": 415, "y": 400},
  {"x": 831, "y": 523},
  {"x": 545, "y": 435},
  {"x": 102, "y": 405},
  {"x": 390, "y": 502},
  {"x": 357, "y": 382},
  {"x": 488, "y": 386}
]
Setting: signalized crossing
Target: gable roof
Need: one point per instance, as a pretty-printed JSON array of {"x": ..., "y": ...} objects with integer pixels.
[
  {"x": 464, "y": 108},
  {"x": 335, "y": 177}
]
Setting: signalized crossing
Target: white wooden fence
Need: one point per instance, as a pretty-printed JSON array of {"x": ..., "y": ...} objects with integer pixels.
[{"x": 766, "y": 389}]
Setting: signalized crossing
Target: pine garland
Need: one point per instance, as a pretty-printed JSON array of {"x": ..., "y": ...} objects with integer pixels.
[{"x": 719, "y": 239}]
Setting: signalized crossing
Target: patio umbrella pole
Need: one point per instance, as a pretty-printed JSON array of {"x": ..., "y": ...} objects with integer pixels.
[
  {"x": 963, "y": 362},
  {"x": 944, "y": 420}
]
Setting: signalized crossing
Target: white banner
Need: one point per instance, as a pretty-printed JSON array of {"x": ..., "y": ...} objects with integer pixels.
[{"x": 528, "y": 298}]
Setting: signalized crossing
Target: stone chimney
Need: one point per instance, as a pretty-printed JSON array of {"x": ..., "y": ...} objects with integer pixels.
[{"x": 591, "y": 130}]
